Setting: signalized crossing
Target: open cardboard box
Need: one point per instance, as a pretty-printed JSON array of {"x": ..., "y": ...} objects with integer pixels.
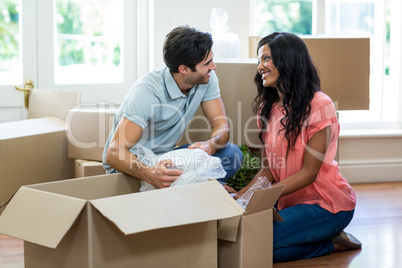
[
  {"x": 103, "y": 221},
  {"x": 250, "y": 243},
  {"x": 32, "y": 151}
]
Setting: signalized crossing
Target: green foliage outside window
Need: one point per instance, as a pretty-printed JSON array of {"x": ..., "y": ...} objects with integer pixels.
[
  {"x": 9, "y": 29},
  {"x": 285, "y": 16},
  {"x": 69, "y": 23},
  {"x": 387, "y": 39},
  {"x": 78, "y": 28},
  {"x": 116, "y": 55}
]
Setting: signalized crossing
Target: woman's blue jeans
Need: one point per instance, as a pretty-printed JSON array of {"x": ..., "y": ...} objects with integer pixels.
[
  {"x": 307, "y": 231},
  {"x": 231, "y": 159}
]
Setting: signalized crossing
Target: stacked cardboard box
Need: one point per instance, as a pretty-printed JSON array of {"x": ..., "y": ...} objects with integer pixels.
[
  {"x": 86, "y": 168},
  {"x": 35, "y": 150},
  {"x": 88, "y": 130},
  {"x": 32, "y": 151},
  {"x": 344, "y": 67}
]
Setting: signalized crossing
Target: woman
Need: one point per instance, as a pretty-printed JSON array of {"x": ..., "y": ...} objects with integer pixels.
[{"x": 299, "y": 130}]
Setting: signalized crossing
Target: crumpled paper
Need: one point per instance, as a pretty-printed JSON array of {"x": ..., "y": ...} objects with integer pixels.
[{"x": 196, "y": 164}]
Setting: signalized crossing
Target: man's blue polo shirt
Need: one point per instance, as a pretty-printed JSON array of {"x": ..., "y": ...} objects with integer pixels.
[{"x": 156, "y": 104}]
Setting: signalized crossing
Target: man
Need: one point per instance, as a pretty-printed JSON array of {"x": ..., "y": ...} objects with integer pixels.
[{"x": 161, "y": 104}]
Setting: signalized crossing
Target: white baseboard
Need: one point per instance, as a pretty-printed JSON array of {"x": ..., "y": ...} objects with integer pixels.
[
  {"x": 371, "y": 156},
  {"x": 371, "y": 172}
]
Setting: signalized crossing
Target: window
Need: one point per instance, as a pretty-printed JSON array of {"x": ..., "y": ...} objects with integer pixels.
[
  {"x": 89, "y": 38},
  {"x": 10, "y": 59},
  {"x": 372, "y": 18},
  {"x": 283, "y": 16},
  {"x": 349, "y": 18}
]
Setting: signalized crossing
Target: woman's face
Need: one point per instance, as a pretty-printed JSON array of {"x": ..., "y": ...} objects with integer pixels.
[{"x": 266, "y": 68}]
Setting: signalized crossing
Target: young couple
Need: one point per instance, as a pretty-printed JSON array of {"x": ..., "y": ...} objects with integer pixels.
[{"x": 297, "y": 124}]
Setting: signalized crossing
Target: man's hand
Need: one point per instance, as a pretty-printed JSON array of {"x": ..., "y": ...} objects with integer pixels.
[
  {"x": 205, "y": 146},
  {"x": 160, "y": 176}
]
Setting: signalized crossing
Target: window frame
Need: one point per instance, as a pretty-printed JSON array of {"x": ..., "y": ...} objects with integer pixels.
[{"x": 378, "y": 79}]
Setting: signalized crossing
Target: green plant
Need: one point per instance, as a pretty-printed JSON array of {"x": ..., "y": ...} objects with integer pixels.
[{"x": 249, "y": 168}]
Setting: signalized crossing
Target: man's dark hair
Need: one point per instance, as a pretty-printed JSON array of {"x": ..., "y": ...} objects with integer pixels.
[{"x": 186, "y": 46}]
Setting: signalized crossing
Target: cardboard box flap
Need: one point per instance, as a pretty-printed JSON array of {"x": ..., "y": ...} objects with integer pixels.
[
  {"x": 40, "y": 217},
  {"x": 168, "y": 207},
  {"x": 277, "y": 216},
  {"x": 264, "y": 199},
  {"x": 228, "y": 229}
]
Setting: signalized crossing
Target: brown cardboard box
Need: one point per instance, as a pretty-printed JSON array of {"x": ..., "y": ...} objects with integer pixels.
[
  {"x": 103, "y": 221},
  {"x": 252, "y": 46},
  {"x": 237, "y": 91},
  {"x": 344, "y": 68},
  {"x": 32, "y": 151},
  {"x": 250, "y": 245},
  {"x": 52, "y": 103},
  {"x": 88, "y": 130},
  {"x": 86, "y": 168},
  {"x": 343, "y": 65}
]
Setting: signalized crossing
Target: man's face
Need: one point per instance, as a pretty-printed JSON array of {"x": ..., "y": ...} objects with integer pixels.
[{"x": 203, "y": 70}]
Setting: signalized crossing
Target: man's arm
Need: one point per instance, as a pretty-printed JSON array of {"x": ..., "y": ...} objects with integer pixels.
[
  {"x": 120, "y": 158},
  {"x": 214, "y": 111}
]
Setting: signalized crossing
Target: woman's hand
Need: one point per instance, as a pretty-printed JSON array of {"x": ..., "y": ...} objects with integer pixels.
[{"x": 231, "y": 191}]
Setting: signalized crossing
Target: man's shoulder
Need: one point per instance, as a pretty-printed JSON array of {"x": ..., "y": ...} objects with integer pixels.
[
  {"x": 155, "y": 77},
  {"x": 152, "y": 82}
]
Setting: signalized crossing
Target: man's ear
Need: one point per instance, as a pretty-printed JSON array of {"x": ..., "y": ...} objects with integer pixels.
[{"x": 183, "y": 69}]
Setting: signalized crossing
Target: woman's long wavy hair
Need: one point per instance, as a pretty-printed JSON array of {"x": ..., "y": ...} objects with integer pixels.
[{"x": 298, "y": 81}]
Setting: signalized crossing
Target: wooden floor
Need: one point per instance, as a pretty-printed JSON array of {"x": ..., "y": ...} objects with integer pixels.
[{"x": 377, "y": 224}]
